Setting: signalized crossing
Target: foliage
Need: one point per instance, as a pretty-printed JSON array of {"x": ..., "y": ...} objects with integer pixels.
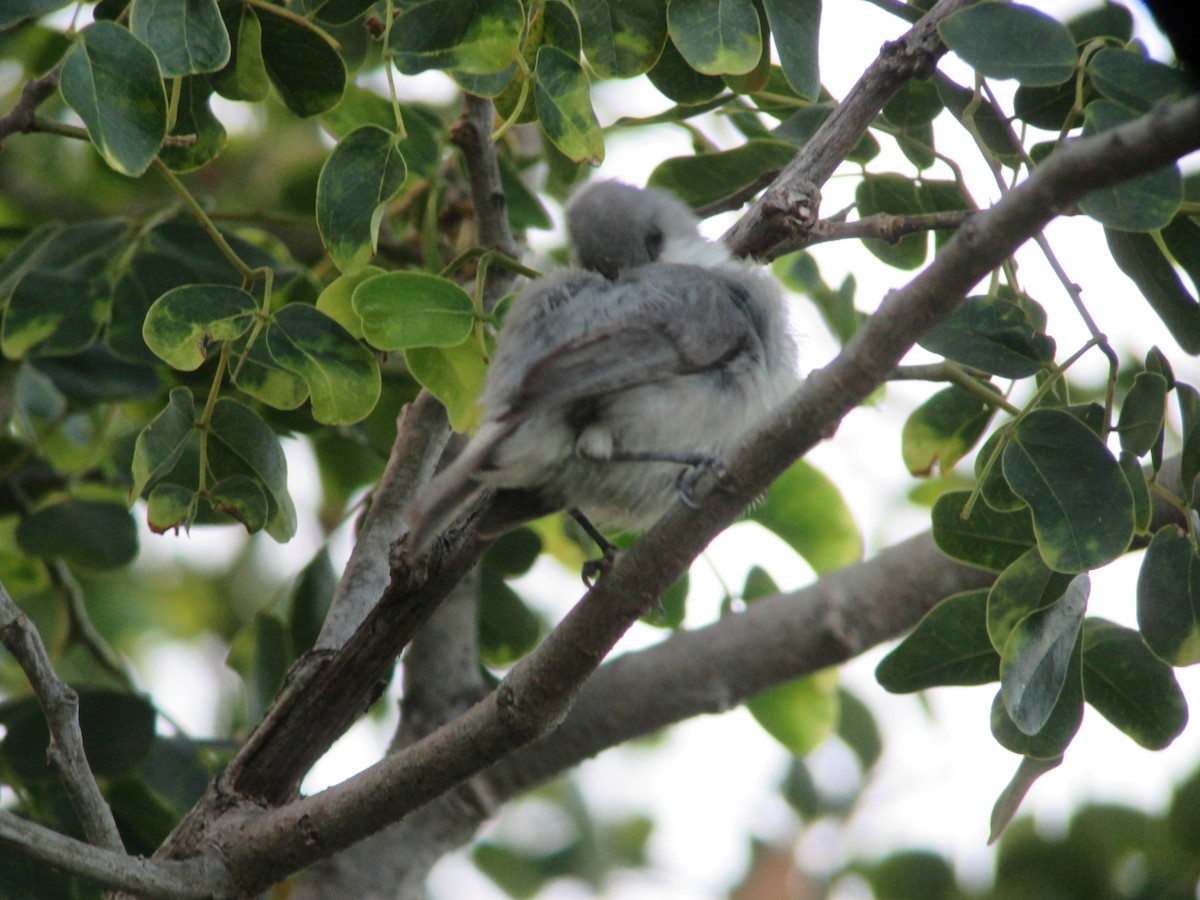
[{"x": 182, "y": 296}]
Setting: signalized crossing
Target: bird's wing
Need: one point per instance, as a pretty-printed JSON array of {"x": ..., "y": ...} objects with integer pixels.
[{"x": 664, "y": 321}]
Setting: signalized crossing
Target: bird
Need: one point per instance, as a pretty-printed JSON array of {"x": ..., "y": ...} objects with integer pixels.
[{"x": 617, "y": 378}]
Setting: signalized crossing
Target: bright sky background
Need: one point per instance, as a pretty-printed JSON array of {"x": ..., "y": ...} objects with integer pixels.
[{"x": 713, "y": 782}]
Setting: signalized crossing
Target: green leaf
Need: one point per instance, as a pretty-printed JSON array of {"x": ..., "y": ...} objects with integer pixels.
[
  {"x": 1140, "y": 257},
  {"x": 88, "y": 533},
  {"x": 1144, "y": 203},
  {"x": 1028, "y": 771},
  {"x": 161, "y": 443},
  {"x": 187, "y": 36},
  {"x": 118, "y": 733},
  {"x": 245, "y": 75},
  {"x": 194, "y": 117},
  {"x": 341, "y": 374},
  {"x": 562, "y": 94},
  {"x": 678, "y": 81},
  {"x": 993, "y": 334},
  {"x": 241, "y": 498},
  {"x": 1182, "y": 240},
  {"x": 1142, "y": 413},
  {"x": 412, "y": 309},
  {"x": 1189, "y": 456},
  {"x": 1134, "y": 81},
  {"x": 170, "y": 507},
  {"x": 807, "y": 510},
  {"x": 707, "y": 177},
  {"x": 261, "y": 653},
  {"x": 364, "y": 172},
  {"x": 183, "y": 322},
  {"x": 257, "y": 373},
  {"x": 1024, "y": 588},
  {"x": 1035, "y": 663},
  {"x": 993, "y": 127},
  {"x": 1010, "y": 40},
  {"x": 949, "y": 646},
  {"x": 1081, "y": 503},
  {"x": 1065, "y": 718},
  {"x": 508, "y": 629},
  {"x": 1111, "y": 20},
  {"x": 716, "y": 37},
  {"x": 796, "y": 25},
  {"x": 54, "y": 313},
  {"x": 1140, "y": 489},
  {"x": 894, "y": 195},
  {"x": 301, "y": 61},
  {"x": 800, "y": 713},
  {"x": 336, "y": 300},
  {"x": 241, "y": 445},
  {"x": 917, "y": 103},
  {"x": 943, "y": 429},
  {"x": 1131, "y": 687},
  {"x": 987, "y": 538},
  {"x": 455, "y": 375},
  {"x": 1168, "y": 598},
  {"x": 799, "y": 272},
  {"x": 1051, "y": 108},
  {"x": 476, "y": 37},
  {"x": 622, "y": 38},
  {"x": 111, "y": 80}
]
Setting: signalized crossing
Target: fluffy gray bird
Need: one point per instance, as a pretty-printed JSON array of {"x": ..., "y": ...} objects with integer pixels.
[{"x": 611, "y": 380}]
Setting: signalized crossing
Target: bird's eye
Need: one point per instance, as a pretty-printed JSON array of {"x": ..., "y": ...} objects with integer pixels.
[{"x": 654, "y": 243}]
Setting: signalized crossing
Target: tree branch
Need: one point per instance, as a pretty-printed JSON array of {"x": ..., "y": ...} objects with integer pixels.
[
  {"x": 33, "y": 94},
  {"x": 772, "y": 219},
  {"x": 60, "y": 706},
  {"x": 112, "y": 869}
]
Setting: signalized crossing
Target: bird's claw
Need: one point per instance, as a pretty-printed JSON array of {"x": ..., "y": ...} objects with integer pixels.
[{"x": 690, "y": 477}]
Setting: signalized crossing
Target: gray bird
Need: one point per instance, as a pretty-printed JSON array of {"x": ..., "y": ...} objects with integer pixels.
[{"x": 612, "y": 380}]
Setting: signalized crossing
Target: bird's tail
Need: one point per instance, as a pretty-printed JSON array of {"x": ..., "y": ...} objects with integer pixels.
[{"x": 452, "y": 488}]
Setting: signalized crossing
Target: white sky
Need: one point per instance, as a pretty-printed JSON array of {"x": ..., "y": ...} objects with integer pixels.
[{"x": 713, "y": 782}]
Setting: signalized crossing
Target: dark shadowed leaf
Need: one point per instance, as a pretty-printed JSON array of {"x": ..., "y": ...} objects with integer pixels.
[
  {"x": 1130, "y": 686},
  {"x": 1140, "y": 257},
  {"x": 112, "y": 80},
  {"x": 949, "y": 646},
  {"x": 241, "y": 444},
  {"x": 943, "y": 429},
  {"x": 187, "y": 36},
  {"x": 302, "y": 62},
  {"x": 986, "y": 538},
  {"x": 709, "y": 177},
  {"x": 1081, "y": 503},
  {"x": 1144, "y": 203},
  {"x": 562, "y": 94},
  {"x": 1034, "y": 665},
  {"x": 716, "y": 37},
  {"x": 994, "y": 334},
  {"x": 1168, "y": 598},
  {"x": 1002, "y": 40},
  {"x": 364, "y": 171},
  {"x": 796, "y": 27},
  {"x": 1059, "y": 729},
  {"x": 90, "y": 533},
  {"x": 1142, "y": 413},
  {"x": 1009, "y": 801},
  {"x": 1025, "y": 587},
  {"x": 622, "y": 38},
  {"x": 894, "y": 195}
]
